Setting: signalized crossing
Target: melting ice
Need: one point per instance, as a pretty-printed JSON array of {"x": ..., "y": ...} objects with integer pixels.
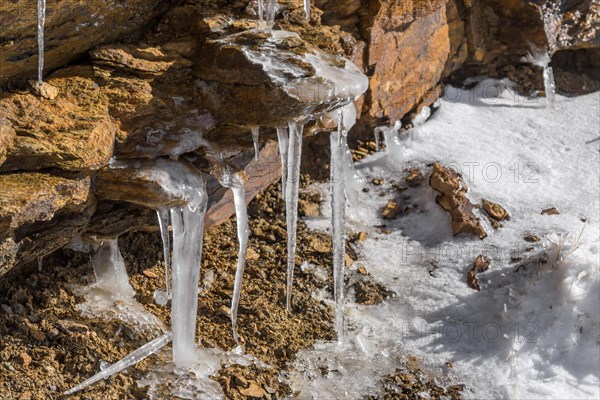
[{"x": 41, "y": 9}]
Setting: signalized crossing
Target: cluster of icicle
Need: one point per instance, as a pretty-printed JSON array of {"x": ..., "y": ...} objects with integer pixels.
[
  {"x": 182, "y": 269},
  {"x": 267, "y": 9}
]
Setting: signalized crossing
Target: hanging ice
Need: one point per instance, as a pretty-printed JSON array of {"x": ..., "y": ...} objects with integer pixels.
[
  {"x": 129, "y": 360},
  {"x": 261, "y": 8},
  {"x": 188, "y": 233},
  {"x": 291, "y": 201},
  {"x": 162, "y": 296},
  {"x": 282, "y": 138},
  {"x": 271, "y": 8},
  {"x": 255, "y": 132},
  {"x": 235, "y": 182},
  {"x": 41, "y": 9},
  {"x": 307, "y": 9},
  {"x": 541, "y": 58},
  {"x": 110, "y": 271},
  {"x": 40, "y": 261},
  {"x": 338, "y": 218}
]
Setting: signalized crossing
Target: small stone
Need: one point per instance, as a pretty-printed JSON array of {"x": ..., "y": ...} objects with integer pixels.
[
  {"x": 362, "y": 236},
  {"x": 150, "y": 274},
  {"x": 36, "y": 334},
  {"x": 550, "y": 211},
  {"x": 253, "y": 391},
  {"x": 24, "y": 359},
  {"x": 19, "y": 309},
  {"x": 53, "y": 334},
  {"x": 481, "y": 264},
  {"x": 6, "y": 309},
  {"x": 308, "y": 209},
  {"x": 392, "y": 209},
  {"x": 240, "y": 381},
  {"x": 495, "y": 210},
  {"x": 414, "y": 177},
  {"x": 26, "y": 395},
  {"x": 224, "y": 311},
  {"x": 44, "y": 89},
  {"x": 320, "y": 246},
  {"x": 362, "y": 270},
  {"x": 252, "y": 254},
  {"x": 377, "y": 181},
  {"x": 348, "y": 260},
  {"x": 532, "y": 238}
]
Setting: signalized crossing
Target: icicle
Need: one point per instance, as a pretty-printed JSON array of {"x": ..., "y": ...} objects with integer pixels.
[
  {"x": 271, "y": 8},
  {"x": 162, "y": 296},
  {"x": 541, "y": 58},
  {"x": 110, "y": 271},
  {"x": 282, "y": 138},
  {"x": 255, "y": 131},
  {"x": 40, "y": 263},
  {"x": 377, "y": 133},
  {"x": 291, "y": 201},
  {"x": 338, "y": 206},
  {"x": 188, "y": 232},
  {"x": 261, "y": 8},
  {"x": 549, "y": 86},
  {"x": 307, "y": 9},
  {"x": 235, "y": 182},
  {"x": 129, "y": 360},
  {"x": 41, "y": 9}
]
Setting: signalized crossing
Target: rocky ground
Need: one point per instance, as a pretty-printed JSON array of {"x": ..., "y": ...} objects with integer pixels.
[{"x": 47, "y": 346}]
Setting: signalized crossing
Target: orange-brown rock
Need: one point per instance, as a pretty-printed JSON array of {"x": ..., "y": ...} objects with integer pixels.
[
  {"x": 453, "y": 199},
  {"x": 72, "y": 28},
  {"x": 40, "y": 213},
  {"x": 73, "y": 132},
  {"x": 495, "y": 210},
  {"x": 481, "y": 264},
  {"x": 7, "y": 136}
]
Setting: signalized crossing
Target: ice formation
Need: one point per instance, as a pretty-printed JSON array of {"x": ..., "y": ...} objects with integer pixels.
[
  {"x": 338, "y": 220},
  {"x": 307, "y": 9},
  {"x": 110, "y": 271},
  {"x": 40, "y": 261},
  {"x": 255, "y": 132},
  {"x": 261, "y": 9},
  {"x": 163, "y": 296},
  {"x": 129, "y": 360},
  {"x": 235, "y": 182},
  {"x": 541, "y": 58},
  {"x": 188, "y": 233},
  {"x": 41, "y": 9},
  {"x": 283, "y": 140},
  {"x": 271, "y": 8},
  {"x": 296, "y": 131}
]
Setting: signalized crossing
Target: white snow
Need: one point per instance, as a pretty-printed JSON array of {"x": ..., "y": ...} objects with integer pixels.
[{"x": 529, "y": 334}]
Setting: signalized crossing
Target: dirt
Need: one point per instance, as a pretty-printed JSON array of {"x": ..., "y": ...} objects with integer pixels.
[{"x": 47, "y": 346}]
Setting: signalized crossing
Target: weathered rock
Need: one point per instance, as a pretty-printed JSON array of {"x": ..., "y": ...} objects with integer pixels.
[
  {"x": 481, "y": 264},
  {"x": 272, "y": 78},
  {"x": 40, "y": 213},
  {"x": 72, "y": 28},
  {"x": 453, "y": 199},
  {"x": 408, "y": 46},
  {"x": 72, "y": 132}
]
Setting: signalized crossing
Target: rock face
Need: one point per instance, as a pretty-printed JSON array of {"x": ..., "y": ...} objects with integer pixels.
[{"x": 72, "y": 28}]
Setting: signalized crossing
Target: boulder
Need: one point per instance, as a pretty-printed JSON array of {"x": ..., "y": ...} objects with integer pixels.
[{"x": 270, "y": 78}]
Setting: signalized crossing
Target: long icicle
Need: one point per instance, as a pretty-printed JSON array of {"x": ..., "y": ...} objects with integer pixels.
[
  {"x": 307, "y": 9},
  {"x": 41, "y": 9},
  {"x": 129, "y": 360},
  {"x": 162, "y": 297},
  {"x": 291, "y": 202},
  {"x": 282, "y": 138},
  {"x": 241, "y": 217},
  {"x": 338, "y": 217},
  {"x": 255, "y": 132},
  {"x": 235, "y": 181},
  {"x": 261, "y": 9},
  {"x": 188, "y": 233}
]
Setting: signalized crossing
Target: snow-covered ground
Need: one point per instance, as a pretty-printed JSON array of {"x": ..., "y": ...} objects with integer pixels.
[{"x": 529, "y": 334}]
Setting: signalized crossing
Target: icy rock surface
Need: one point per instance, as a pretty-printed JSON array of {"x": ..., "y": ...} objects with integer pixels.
[{"x": 286, "y": 76}]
